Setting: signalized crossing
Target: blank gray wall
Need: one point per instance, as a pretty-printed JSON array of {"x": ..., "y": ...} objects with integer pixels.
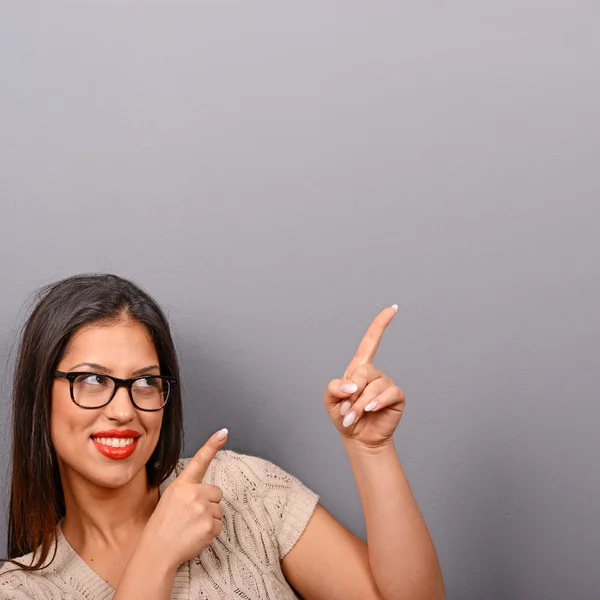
[{"x": 275, "y": 175}]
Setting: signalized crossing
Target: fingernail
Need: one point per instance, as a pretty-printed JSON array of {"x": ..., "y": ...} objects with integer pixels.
[
  {"x": 395, "y": 307},
  {"x": 349, "y": 419},
  {"x": 370, "y": 406},
  {"x": 349, "y": 388},
  {"x": 345, "y": 407},
  {"x": 222, "y": 435}
]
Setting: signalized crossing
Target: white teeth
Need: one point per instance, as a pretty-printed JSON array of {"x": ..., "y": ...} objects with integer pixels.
[{"x": 115, "y": 442}]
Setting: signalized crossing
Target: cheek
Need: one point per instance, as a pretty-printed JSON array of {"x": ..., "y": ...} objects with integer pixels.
[
  {"x": 152, "y": 423},
  {"x": 67, "y": 421}
]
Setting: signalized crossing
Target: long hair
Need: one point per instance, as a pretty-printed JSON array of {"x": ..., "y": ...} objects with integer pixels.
[{"x": 36, "y": 497}]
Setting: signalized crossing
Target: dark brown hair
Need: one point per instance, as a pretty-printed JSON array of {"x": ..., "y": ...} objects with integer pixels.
[{"x": 36, "y": 496}]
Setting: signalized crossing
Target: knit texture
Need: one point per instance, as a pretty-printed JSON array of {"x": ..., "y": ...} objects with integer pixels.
[{"x": 265, "y": 510}]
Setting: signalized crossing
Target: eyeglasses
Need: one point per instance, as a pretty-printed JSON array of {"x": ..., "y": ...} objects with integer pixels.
[{"x": 95, "y": 390}]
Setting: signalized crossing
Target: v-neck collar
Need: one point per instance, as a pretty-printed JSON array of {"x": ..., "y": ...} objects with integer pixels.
[
  {"x": 90, "y": 581},
  {"x": 92, "y": 585}
]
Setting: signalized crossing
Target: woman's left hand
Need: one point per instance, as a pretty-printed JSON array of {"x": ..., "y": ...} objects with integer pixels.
[{"x": 370, "y": 414}]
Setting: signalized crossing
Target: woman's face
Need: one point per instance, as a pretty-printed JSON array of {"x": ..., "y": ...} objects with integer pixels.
[{"x": 120, "y": 349}]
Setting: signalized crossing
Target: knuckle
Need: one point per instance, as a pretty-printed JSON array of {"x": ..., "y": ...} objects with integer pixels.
[
  {"x": 388, "y": 384},
  {"x": 360, "y": 371},
  {"x": 375, "y": 371},
  {"x": 366, "y": 370},
  {"x": 213, "y": 490},
  {"x": 194, "y": 495},
  {"x": 200, "y": 509},
  {"x": 205, "y": 523}
]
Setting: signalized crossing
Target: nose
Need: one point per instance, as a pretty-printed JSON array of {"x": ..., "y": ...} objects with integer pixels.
[{"x": 120, "y": 408}]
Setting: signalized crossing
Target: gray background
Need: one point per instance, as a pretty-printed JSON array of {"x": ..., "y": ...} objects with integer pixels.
[{"x": 275, "y": 175}]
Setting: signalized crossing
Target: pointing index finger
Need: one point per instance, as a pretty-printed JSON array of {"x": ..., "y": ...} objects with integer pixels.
[
  {"x": 198, "y": 465},
  {"x": 368, "y": 346}
]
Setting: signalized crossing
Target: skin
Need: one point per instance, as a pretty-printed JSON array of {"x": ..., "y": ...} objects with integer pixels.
[
  {"x": 399, "y": 561},
  {"x": 117, "y": 525},
  {"x": 108, "y": 502}
]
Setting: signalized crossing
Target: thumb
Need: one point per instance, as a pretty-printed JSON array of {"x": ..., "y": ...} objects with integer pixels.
[{"x": 196, "y": 469}]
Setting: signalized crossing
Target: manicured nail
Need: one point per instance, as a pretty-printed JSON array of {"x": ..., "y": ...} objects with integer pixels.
[
  {"x": 371, "y": 406},
  {"x": 345, "y": 407},
  {"x": 222, "y": 435},
  {"x": 349, "y": 388},
  {"x": 349, "y": 419},
  {"x": 395, "y": 307}
]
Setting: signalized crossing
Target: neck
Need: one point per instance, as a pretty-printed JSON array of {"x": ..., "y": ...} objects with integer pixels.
[{"x": 109, "y": 518}]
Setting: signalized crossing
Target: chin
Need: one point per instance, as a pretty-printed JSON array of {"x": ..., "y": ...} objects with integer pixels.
[
  {"x": 112, "y": 475},
  {"x": 98, "y": 469},
  {"x": 115, "y": 480}
]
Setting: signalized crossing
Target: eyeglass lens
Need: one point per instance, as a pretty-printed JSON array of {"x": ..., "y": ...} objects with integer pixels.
[{"x": 92, "y": 390}]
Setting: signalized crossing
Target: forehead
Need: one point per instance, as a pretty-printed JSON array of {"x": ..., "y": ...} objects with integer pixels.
[{"x": 111, "y": 339}]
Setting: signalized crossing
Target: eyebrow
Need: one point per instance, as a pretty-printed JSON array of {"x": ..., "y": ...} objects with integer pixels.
[{"x": 107, "y": 370}]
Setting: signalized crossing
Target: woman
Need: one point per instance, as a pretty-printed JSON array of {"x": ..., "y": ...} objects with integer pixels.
[{"x": 102, "y": 507}]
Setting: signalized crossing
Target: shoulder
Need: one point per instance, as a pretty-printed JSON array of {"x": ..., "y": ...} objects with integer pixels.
[
  {"x": 18, "y": 584},
  {"x": 244, "y": 471},
  {"x": 60, "y": 576},
  {"x": 12, "y": 572},
  {"x": 245, "y": 478},
  {"x": 262, "y": 494},
  {"x": 11, "y": 576},
  {"x": 12, "y": 583}
]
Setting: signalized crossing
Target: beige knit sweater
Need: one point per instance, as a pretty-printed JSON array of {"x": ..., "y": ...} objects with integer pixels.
[{"x": 265, "y": 510}]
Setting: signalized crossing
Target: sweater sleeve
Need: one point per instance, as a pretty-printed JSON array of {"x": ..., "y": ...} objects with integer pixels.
[
  {"x": 10, "y": 586},
  {"x": 287, "y": 503},
  {"x": 14, "y": 594}
]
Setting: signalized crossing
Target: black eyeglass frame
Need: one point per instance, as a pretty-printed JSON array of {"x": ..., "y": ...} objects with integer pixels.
[{"x": 126, "y": 383}]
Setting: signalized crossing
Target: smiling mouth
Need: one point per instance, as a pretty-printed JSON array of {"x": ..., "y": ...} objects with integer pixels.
[
  {"x": 115, "y": 448},
  {"x": 114, "y": 442}
]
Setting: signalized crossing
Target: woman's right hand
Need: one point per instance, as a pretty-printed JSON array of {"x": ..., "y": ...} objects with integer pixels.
[{"x": 188, "y": 515}]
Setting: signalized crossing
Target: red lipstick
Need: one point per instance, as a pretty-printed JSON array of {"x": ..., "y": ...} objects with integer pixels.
[
  {"x": 112, "y": 452},
  {"x": 118, "y": 433}
]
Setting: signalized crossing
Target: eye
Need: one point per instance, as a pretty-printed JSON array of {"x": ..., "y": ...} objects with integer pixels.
[
  {"x": 92, "y": 379},
  {"x": 146, "y": 382}
]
